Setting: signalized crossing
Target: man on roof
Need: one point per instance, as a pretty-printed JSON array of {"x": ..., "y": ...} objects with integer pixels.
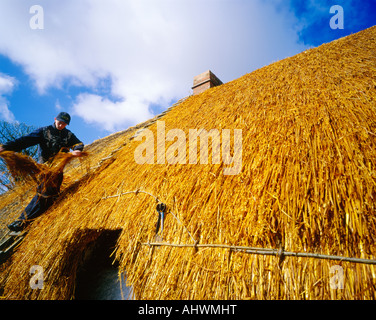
[{"x": 51, "y": 140}]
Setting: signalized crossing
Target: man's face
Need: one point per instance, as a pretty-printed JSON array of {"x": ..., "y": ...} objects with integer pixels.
[{"x": 60, "y": 125}]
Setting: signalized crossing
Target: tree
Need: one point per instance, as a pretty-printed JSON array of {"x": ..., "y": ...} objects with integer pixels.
[{"x": 9, "y": 132}]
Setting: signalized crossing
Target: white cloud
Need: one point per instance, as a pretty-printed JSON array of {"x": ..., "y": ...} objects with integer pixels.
[
  {"x": 7, "y": 85},
  {"x": 110, "y": 115},
  {"x": 151, "y": 50}
]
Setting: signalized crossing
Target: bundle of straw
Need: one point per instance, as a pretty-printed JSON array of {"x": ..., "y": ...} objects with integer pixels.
[{"x": 21, "y": 166}]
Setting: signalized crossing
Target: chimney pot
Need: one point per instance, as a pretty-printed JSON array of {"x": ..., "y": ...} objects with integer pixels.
[{"x": 204, "y": 81}]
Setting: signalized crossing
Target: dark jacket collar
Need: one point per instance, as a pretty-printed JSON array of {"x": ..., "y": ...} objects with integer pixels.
[{"x": 56, "y": 130}]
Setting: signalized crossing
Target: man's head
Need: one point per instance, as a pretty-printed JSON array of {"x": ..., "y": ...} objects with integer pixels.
[{"x": 62, "y": 120}]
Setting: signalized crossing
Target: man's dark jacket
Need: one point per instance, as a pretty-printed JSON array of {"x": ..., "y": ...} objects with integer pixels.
[{"x": 50, "y": 140}]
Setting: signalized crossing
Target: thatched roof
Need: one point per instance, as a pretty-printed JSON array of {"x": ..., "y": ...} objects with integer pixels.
[{"x": 307, "y": 184}]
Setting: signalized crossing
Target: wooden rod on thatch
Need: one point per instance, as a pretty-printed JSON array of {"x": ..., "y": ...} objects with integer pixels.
[
  {"x": 130, "y": 192},
  {"x": 266, "y": 251},
  {"x": 252, "y": 250}
]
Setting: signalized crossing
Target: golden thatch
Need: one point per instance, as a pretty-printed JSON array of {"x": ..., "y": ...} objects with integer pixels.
[{"x": 307, "y": 184}]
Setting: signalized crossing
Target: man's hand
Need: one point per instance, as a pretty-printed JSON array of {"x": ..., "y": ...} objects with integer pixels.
[
  {"x": 2, "y": 149},
  {"x": 77, "y": 153}
]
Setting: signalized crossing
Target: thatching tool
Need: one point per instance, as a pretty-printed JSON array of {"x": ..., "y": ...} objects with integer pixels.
[{"x": 161, "y": 209}]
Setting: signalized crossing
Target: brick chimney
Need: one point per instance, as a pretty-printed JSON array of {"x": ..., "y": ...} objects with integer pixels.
[{"x": 205, "y": 81}]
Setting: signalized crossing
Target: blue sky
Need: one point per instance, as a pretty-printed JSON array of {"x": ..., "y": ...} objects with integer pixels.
[{"x": 112, "y": 64}]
